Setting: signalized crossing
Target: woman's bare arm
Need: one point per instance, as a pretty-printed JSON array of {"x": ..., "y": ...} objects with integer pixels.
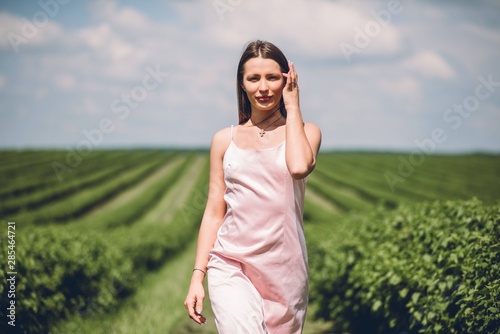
[{"x": 212, "y": 219}]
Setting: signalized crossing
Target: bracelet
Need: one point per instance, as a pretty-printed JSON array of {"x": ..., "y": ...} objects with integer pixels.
[{"x": 203, "y": 271}]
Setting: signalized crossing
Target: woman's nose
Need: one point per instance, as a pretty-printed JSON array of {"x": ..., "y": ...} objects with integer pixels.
[{"x": 263, "y": 85}]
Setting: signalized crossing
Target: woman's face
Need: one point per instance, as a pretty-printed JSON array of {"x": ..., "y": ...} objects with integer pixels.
[{"x": 263, "y": 83}]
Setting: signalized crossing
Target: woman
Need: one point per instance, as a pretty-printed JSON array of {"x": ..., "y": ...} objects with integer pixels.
[{"x": 251, "y": 239}]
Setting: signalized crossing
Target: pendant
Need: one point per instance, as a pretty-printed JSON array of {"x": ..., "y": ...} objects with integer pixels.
[{"x": 262, "y": 132}]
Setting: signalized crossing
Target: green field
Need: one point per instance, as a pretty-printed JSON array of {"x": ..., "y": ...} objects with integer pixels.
[{"x": 105, "y": 243}]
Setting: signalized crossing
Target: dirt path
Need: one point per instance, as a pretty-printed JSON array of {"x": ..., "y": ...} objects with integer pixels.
[
  {"x": 132, "y": 193},
  {"x": 178, "y": 193},
  {"x": 318, "y": 200}
]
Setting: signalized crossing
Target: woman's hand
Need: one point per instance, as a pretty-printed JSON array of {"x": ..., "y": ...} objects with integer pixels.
[
  {"x": 194, "y": 301},
  {"x": 291, "y": 89}
]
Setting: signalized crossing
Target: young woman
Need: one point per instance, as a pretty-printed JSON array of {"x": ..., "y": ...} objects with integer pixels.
[{"x": 251, "y": 240}]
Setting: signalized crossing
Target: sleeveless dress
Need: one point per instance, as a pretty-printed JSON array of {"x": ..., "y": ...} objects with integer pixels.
[{"x": 257, "y": 270}]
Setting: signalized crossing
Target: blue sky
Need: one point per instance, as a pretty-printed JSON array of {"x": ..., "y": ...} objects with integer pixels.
[{"x": 384, "y": 75}]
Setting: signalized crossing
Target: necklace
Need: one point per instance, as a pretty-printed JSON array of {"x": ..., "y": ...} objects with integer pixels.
[
  {"x": 265, "y": 119},
  {"x": 263, "y": 130}
]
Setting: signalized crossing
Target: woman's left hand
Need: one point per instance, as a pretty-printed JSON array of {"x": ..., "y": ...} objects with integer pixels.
[{"x": 291, "y": 89}]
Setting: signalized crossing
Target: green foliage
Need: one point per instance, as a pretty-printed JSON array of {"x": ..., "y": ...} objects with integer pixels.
[
  {"x": 435, "y": 177},
  {"x": 59, "y": 273},
  {"x": 86, "y": 199},
  {"x": 428, "y": 268},
  {"x": 54, "y": 190},
  {"x": 345, "y": 203},
  {"x": 131, "y": 211},
  {"x": 66, "y": 269},
  {"x": 28, "y": 172},
  {"x": 149, "y": 244}
]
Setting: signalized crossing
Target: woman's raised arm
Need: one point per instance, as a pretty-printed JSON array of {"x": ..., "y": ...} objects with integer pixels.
[{"x": 302, "y": 140}]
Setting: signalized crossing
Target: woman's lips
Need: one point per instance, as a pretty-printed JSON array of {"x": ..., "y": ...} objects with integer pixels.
[{"x": 264, "y": 98}]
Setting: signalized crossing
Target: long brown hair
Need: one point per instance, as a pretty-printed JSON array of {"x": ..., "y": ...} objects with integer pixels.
[{"x": 257, "y": 49}]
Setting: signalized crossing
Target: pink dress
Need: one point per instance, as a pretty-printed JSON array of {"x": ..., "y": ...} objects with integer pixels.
[{"x": 257, "y": 270}]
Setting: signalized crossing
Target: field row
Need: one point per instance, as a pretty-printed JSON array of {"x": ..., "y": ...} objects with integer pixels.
[
  {"x": 137, "y": 208},
  {"x": 358, "y": 181},
  {"x": 32, "y": 192},
  {"x": 136, "y": 230}
]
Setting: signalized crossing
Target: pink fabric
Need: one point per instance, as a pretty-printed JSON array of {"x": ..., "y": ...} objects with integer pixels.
[{"x": 257, "y": 271}]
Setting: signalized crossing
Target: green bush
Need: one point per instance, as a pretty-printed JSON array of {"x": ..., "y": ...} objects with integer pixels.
[
  {"x": 81, "y": 202},
  {"x": 59, "y": 273},
  {"x": 429, "y": 268},
  {"x": 63, "y": 269},
  {"x": 149, "y": 244}
]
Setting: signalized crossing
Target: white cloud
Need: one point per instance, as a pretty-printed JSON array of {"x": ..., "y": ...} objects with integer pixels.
[
  {"x": 17, "y": 33},
  {"x": 401, "y": 87},
  {"x": 118, "y": 57},
  {"x": 123, "y": 17},
  {"x": 96, "y": 37},
  {"x": 429, "y": 64},
  {"x": 65, "y": 81},
  {"x": 90, "y": 105},
  {"x": 311, "y": 28}
]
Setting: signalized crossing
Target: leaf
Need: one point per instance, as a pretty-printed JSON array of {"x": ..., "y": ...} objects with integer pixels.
[
  {"x": 414, "y": 297},
  {"x": 403, "y": 292},
  {"x": 376, "y": 305}
]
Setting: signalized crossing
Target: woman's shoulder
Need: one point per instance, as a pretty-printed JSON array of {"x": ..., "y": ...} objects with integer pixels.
[
  {"x": 222, "y": 135},
  {"x": 313, "y": 133},
  {"x": 312, "y": 127},
  {"x": 221, "y": 140}
]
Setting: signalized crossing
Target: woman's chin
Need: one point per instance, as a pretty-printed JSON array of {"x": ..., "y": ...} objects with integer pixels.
[{"x": 268, "y": 105}]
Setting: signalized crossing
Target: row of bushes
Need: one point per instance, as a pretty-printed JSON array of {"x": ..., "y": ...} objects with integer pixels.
[
  {"x": 81, "y": 202},
  {"x": 60, "y": 272},
  {"x": 56, "y": 190},
  {"x": 20, "y": 178},
  {"x": 149, "y": 243},
  {"x": 428, "y": 268}
]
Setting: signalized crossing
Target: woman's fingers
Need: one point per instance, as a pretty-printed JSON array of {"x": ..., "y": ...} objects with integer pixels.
[
  {"x": 194, "y": 306},
  {"x": 198, "y": 307},
  {"x": 197, "y": 310},
  {"x": 291, "y": 77}
]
